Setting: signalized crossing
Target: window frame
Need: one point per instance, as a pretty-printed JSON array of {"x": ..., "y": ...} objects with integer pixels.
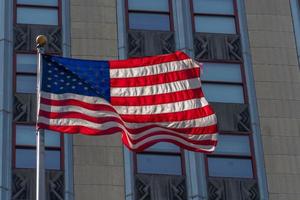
[
  {"x": 235, "y": 156},
  {"x": 16, "y": 146},
  {"x": 169, "y": 13},
  {"x": 58, "y": 8},
  {"x": 15, "y": 73},
  {"x": 180, "y": 154},
  {"x": 243, "y": 84},
  {"x": 234, "y": 15}
]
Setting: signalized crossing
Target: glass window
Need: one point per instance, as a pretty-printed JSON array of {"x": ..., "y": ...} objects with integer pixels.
[
  {"x": 164, "y": 147},
  {"x": 52, "y": 160},
  {"x": 147, "y": 21},
  {"x": 26, "y": 135},
  {"x": 44, "y": 16},
  {"x": 153, "y": 5},
  {"x": 221, "y": 72},
  {"x": 233, "y": 145},
  {"x": 26, "y": 84},
  {"x": 38, "y": 2},
  {"x": 230, "y": 167},
  {"x": 159, "y": 164},
  {"x": 213, "y": 6},
  {"x": 26, "y": 158},
  {"x": 52, "y": 138},
  {"x": 215, "y": 24},
  {"x": 225, "y": 93},
  {"x": 26, "y": 63}
]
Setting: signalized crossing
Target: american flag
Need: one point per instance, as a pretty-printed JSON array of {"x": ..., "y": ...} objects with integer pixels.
[{"x": 147, "y": 100}]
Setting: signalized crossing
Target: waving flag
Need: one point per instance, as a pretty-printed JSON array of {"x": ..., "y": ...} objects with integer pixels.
[{"x": 147, "y": 100}]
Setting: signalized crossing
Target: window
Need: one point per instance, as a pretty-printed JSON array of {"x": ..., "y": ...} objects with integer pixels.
[
  {"x": 161, "y": 158},
  {"x": 25, "y": 148},
  {"x": 232, "y": 157},
  {"x": 37, "y": 12},
  {"x": 223, "y": 84},
  {"x": 26, "y": 73},
  {"x": 214, "y": 16},
  {"x": 32, "y": 13},
  {"x": 149, "y": 15}
]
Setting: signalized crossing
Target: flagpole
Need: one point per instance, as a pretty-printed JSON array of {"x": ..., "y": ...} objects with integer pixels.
[{"x": 41, "y": 40}]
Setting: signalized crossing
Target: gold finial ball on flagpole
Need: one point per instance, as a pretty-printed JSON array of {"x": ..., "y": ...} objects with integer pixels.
[{"x": 41, "y": 40}]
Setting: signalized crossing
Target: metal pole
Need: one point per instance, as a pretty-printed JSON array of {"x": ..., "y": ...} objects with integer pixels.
[{"x": 41, "y": 40}]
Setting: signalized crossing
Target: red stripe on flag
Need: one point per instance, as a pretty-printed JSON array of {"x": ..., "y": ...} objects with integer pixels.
[
  {"x": 155, "y": 79},
  {"x": 157, "y": 99},
  {"x": 75, "y": 115},
  {"x": 170, "y": 117},
  {"x": 74, "y": 102},
  {"x": 145, "y": 61}
]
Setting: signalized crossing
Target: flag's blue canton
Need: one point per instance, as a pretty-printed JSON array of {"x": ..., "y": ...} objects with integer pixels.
[{"x": 64, "y": 75}]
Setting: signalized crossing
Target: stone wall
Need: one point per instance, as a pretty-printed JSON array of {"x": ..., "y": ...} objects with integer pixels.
[
  {"x": 98, "y": 161},
  {"x": 277, "y": 82}
]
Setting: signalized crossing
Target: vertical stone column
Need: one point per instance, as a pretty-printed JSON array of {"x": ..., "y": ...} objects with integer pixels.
[
  {"x": 6, "y": 97},
  {"x": 277, "y": 82},
  {"x": 98, "y": 160}
]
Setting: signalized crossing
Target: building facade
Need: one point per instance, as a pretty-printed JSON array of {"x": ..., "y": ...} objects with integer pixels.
[{"x": 250, "y": 51}]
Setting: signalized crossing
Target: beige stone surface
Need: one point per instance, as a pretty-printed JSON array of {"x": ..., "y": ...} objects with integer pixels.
[
  {"x": 276, "y": 74},
  {"x": 98, "y": 160}
]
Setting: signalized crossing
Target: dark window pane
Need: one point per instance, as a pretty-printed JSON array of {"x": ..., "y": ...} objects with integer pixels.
[
  {"x": 215, "y": 24},
  {"x": 230, "y": 167},
  {"x": 158, "y": 164},
  {"x": 26, "y": 84},
  {"x": 145, "y": 21},
  {"x": 52, "y": 138},
  {"x": 233, "y": 145},
  {"x": 26, "y": 158},
  {"x": 213, "y": 6},
  {"x": 225, "y": 93},
  {"x": 39, "y": 2},
  {"x": 153, "y": 5},
  {"x": 26, "y": 63},
  {"x": 26, "y": 135},
  {"x": 221, "y": 72},
  {"x": 37, "y": 16},
  {"x": 52, "y": 159}
]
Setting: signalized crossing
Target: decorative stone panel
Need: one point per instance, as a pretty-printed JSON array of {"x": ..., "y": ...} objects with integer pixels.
[
  {"x": 217, "y": 47},
  {"x": 230, "y": 189},
  {"x": 233, "y": 116},
  {"x": 25, "y": 108},
  {"x": 160, "y": 187},
  {"x": 25, "y": 35},
  {"x": 24, "y": 184},
  {"x": 148, "y": 43}
]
